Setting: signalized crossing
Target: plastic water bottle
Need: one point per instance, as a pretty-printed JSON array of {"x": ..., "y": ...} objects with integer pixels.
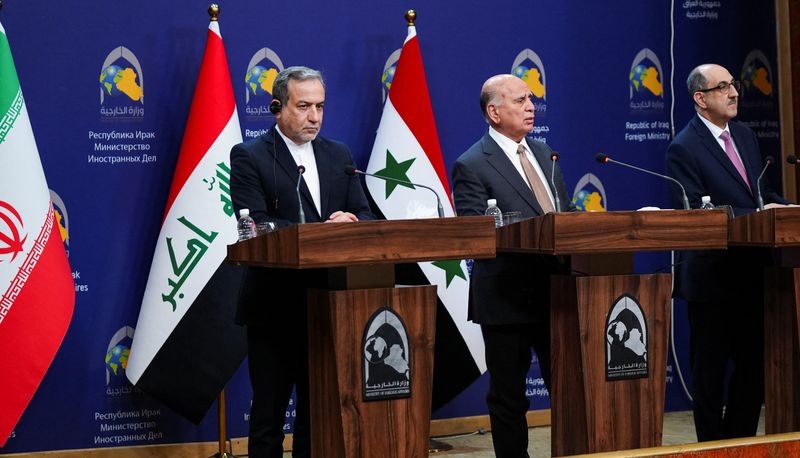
[
  {"x": 706, "y": 203},
  {"x": 246, "y": 226},
  {"x": 493, "y": 210}
]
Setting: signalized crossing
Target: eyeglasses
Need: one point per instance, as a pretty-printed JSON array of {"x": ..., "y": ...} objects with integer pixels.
[{"x": 724, "y": 86}]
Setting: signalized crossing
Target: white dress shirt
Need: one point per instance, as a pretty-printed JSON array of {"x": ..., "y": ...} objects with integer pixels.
[
  {"x": 304, "y": 155},
  {"x": 509, "y": 147}
]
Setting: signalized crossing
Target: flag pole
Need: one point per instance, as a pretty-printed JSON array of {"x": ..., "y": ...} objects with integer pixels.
[
  {"x": 223, "y": 450},
  {"x": 213, "y": 11}
]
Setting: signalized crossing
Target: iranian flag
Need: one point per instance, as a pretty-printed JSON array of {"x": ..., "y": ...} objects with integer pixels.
[
  {"x": 37, "y": 295},
  {"x": 186, "y": 345},
  {"x": 407, "y": 148}
]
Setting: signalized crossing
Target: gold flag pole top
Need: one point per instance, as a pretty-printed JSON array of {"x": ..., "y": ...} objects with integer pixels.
[
  {"x": 213, "y": 11},
  {"x": 411, "y": 16}
]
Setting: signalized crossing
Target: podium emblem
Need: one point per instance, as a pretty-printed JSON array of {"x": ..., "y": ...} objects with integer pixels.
[
  {"x": 626, "y": 340},
  {"x": 386, "y": 357}
]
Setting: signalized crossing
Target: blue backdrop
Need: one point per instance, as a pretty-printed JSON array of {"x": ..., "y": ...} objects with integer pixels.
[{"x": 605, "y": 71}]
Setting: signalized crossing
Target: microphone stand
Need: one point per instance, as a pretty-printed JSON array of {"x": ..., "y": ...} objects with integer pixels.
[
  {"x": 350, "y": 170},
  {"x": 301, "y": 213},
  {"x": 603, "y": 158}
]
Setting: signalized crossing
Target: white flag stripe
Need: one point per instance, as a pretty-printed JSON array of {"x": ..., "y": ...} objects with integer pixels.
[
  {"x": 24, "y": 184},
  {"x": 395, "y": 136},
  {"x": 160, "y": 318},
  {"x": 456, "y": 303}
]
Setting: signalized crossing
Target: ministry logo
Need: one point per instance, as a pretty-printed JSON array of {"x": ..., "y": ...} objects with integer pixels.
[
  {"x": 121, "y": 86},
  {"x": 62, "y": 218},
  {"x": 589, "y": 194},
  {"x": 386, "y": 354},
  {"x": 757, "y": 93},
  {"x": 262, "y": 69},
  {"x": 388, "y": 72},
  {"x": 116, "y": 360},
  {"x": 626, "y": 340},
  {"x": 528, "y": 66},
  {"x": 645, "y": 81}
]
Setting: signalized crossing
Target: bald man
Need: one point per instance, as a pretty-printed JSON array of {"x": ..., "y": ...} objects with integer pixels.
[
  {"x": 717, "y": 157},
  {"x": 510, "y": 295}
]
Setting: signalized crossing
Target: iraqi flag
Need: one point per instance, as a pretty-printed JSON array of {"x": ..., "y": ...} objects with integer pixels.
[
  {"x": 37, "y": 294},
  {"x": 407, "y": 148},
  {"x": 186, "y": 346}
]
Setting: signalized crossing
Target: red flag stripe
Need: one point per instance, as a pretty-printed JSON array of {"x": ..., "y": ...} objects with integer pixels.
[
  {"x": 409, "y": 95},
  {"x": 33, "y": 329},
  {"x": 212, "y": 107}
]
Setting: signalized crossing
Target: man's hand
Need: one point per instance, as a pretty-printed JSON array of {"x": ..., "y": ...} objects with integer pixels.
[{"x": 342, "y": 217}]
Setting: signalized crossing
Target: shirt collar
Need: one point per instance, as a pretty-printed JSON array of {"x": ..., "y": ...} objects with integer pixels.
[
  {"x": 289, "y": 141},
  {"x": 505, "y": 143},
  {"x": 716, "y": 131}
]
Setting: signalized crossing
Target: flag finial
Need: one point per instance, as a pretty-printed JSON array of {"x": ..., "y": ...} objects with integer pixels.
[
  {"x": 213, "y": 11},
  {"x": 411, "y": 16}
]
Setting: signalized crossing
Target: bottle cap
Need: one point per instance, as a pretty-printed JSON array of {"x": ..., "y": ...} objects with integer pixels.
[
  {"x": 491, "y": 202},
  {"x": 244, "y": 212}
]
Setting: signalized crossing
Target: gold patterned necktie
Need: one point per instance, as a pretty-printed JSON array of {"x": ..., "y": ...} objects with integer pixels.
[{"x": 536, "y": 184}]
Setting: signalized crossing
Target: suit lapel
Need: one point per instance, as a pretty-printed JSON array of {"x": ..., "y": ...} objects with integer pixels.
[
  {"x": 500, "y": 162},
  {"x": 718, "y": 153},
  {"x": 325, "y": 172},
  {"x": 287, "y": 163}
]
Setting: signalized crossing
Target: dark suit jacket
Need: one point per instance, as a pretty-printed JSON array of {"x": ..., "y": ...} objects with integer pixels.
[
  {"x": 263, "y": 179},
  {"x": 696, "y": 159},
  {"x": 510, "y": 289}
]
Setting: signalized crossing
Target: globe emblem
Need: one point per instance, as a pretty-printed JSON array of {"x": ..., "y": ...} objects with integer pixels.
[
  {"x": 117, "y": 359},
  {"x": 387, "y": 77},
  {"x": 756, "y": 76},
  {"x": 259, "y": 79},
  {"x": 376, "y": 349},
  {"x": 588, "y": 201},
  {"x": 115, "y": 80},
  {"x": 644, "y": 79},
  {"x": 109, "y": 78},
  {"x": 532, "y": 77}
]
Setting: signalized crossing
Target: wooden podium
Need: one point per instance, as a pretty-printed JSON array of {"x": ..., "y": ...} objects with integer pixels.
[
  {"x": 604, "y": 397},
  {"x": 778, "y": 228},
  {"x": 360, "y": 258}
]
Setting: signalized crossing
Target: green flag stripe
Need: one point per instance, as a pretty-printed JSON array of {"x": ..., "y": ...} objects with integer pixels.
[{"x": 10, "y": 94}]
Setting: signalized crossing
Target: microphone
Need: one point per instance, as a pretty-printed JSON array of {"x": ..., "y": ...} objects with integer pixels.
[
  {"x": 767, "y": 161},
  {"x": 603, "y": 159},
  {"x": 553, "y": 159},
  {"x": 792, "y": 159},
  {"x": 300, "y": 213},
  {"x": 351, "y": 170}
]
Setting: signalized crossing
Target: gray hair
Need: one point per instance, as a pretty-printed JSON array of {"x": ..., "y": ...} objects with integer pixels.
[
  {"x": 696, "y": 80},
  {"x": 280, "y": 87},
  {"x": 489, "y": 97}
]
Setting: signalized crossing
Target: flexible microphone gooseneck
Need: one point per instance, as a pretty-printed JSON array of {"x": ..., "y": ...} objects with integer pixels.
[
  {"x": 603, "y": 159},
  {"x": 351, "y": 170},
  {"x": 553, "y": 158},
  {"x": 767, "y": 161},
  {"x": 300, "y": 213}
]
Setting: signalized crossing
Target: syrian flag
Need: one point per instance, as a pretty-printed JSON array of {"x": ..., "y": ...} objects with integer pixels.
[
  {"x": 407, "y": 148},
  {"x": 186, "y": 345},
  {"x": 37, "y": 294}
]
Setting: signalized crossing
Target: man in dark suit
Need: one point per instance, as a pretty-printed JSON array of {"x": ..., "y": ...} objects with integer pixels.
[
  {"x": 510, "y": 295},
  {"x": 717, "y": 157},
  {"x": 272, "y": 302}
]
